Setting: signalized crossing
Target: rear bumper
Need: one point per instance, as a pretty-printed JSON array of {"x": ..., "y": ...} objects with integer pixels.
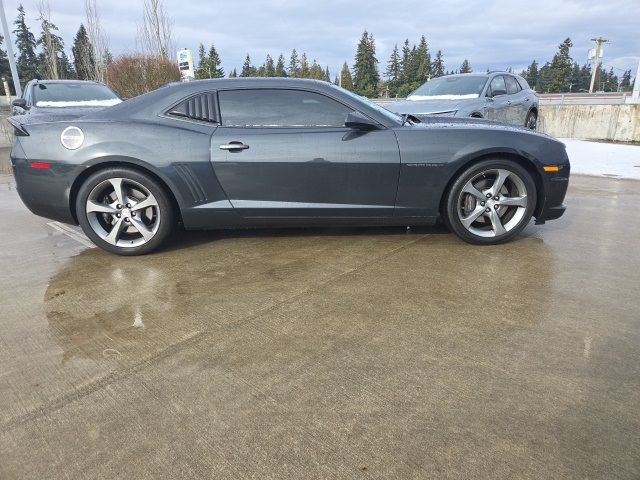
[{"x": 44, "y": 191}]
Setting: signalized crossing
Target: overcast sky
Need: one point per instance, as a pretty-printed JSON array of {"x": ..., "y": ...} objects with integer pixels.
[{"x": 490, "y": 33}]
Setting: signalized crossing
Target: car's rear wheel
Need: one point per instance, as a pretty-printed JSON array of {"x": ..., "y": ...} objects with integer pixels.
[
  {"x": 490, "y": 202},
  {"x": 531, "y": 121},
  {"x": 124, "y": 211}
]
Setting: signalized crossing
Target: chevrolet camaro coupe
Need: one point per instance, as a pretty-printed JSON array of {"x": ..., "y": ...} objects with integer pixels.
[{"x": 233, "y": 153}]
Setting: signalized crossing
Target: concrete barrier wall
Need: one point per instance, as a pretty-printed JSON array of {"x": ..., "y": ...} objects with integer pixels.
[{"x": 619, "y": 123}]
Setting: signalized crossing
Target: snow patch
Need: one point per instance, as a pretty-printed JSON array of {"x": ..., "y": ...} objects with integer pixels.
[
  {"x": 603, "y": 159},
  {"x": 80, "y": 103},
  {"x": 413, "y": 98}
]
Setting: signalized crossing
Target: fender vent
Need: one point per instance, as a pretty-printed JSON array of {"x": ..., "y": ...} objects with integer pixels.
[{"x": 198, "y": 193}]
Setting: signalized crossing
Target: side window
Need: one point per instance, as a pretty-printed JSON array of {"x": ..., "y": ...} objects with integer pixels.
[
  {"x": 497, "y": 86},
  {"x": 512, "y": 85},
  {"x": 200, "y": 107},
  {"x": 279, "y": 108}
]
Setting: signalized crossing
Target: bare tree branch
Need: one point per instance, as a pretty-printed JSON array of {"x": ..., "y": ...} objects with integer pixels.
[
  {"x": 97, "y": 39},
  {"x": 155, "y": 33}
]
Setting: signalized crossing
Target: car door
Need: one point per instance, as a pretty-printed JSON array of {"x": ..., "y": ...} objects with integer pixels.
[
  {"x": 497, "y": 100},
  {"x": 517, "y": 110},
  {"x": 287, "y": 153}
]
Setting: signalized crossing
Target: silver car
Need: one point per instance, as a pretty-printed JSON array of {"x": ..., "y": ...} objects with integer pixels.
[{"x": 499, "y": 96}]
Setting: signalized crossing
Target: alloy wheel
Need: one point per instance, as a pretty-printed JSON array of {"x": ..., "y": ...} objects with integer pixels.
[
  {"x": 492, "y": 203},
  {"x": 123, "y": 212}
]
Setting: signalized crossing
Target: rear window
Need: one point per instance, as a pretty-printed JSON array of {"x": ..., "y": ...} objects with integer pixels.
[{"x": 73, "y": 94}]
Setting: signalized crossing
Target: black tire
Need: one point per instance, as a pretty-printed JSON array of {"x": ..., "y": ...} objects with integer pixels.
[
  {"x": 531, "y": 121},
  {"x": 93, "y": 223},
  {"x": 517, "y": 217}
]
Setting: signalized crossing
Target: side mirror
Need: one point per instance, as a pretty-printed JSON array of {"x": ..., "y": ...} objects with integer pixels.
[
  {"x": 358, "y": 121},
  {"x": 19, "y": 102}
]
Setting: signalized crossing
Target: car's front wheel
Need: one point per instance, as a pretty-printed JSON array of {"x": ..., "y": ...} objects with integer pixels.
[
  {"x": 490, "y": 202},
  {"x": 124, "y": 211}
]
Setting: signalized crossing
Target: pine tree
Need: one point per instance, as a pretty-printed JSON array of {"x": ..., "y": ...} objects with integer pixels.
[
  {"x": 304, "y": 70},
  {"x": 269, "y": 67},
  {"x": 5, "y": 70},
  {"x": 83, "y": 57},
  {"x": 625, "y": 81},
  {"x": 531, "y": 74},
  {"x": 215, "y": 63},
  {"x": 65, "y": 67},
  {"x": 280, "y": 70},
  {"x": 406, "y": 64},
  {"x": 26, "y": 44},
  {"x": 247, "y": 69},
  {"x": 316, "y": 71},
  {"x": 465, "y": 67},
  {"x": 560, "y": 68},
  {"x": 422, "y": 60},
  {"x": 233, "y": 74},
  {"x": 437, "y": 68},
  {"x": 365, "y": 67},
  {"x": 327, "y": 75},
  {"x": 346, "y": 80},
  {"x": 202, "y": 71},
  {"x": 294, "y": 64},
  {"x": 393, "y": 66}
]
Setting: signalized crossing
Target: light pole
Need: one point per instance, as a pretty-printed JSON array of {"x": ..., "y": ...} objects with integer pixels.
[{"x": 12, "y": 60}]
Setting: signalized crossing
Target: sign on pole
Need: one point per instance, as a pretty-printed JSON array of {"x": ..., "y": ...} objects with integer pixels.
[{"x": 185, "y": 64}]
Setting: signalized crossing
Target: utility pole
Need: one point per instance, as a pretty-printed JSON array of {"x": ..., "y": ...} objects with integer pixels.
[
  {"x": 12, "y": 60},
  {"x": 636, "y": 86},
  {"x": 596, "y": 59}
]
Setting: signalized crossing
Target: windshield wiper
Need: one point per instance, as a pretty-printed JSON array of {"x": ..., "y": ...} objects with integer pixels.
[{"x": 407, "y": 117}]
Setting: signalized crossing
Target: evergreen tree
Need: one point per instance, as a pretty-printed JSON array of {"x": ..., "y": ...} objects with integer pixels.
[
  {"x": 327, "y": 75},
  {"x": 304, "y": 71},
  {"x": 437, "y": 68},
  {"x": 406, "y": 64},
  {"x": 215, "y": 63},
  {"x": 83, "y": 56},
  {"x": 202, "y": 70},
  {"x": 531, "y": 74},
  {"x": 625, "y": 81},
  {"x": 5, "y": 70},
  {"x": 422, "y": 62},
  {"x": 365, "y": 67},
  {"x": 316, "y": 71},
  {"x": 233, "y": 74},
  {"x": 346, "y": 80},
  {"x": 465, "y": 67},
  {"x": 280, "y": 69},
  {"x": 26, "y": 44},
  {"x": 393, "y": 66},
  {"x": 65, "y": 67},
  {"x": 269, "y": 67},
  {"x": 247, "y": 69},
  {"x": 294, "y": 64},
  {"x": 560, "y": 68}
]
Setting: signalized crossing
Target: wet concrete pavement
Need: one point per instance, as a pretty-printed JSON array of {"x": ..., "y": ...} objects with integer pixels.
[{"x": 370, "y": 353}]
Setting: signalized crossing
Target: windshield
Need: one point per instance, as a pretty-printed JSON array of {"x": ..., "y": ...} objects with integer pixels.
[
  {"x": 451, "y": 87},
  {"x": 394, "y": 117},
  {"x": 71, "y": 94}
]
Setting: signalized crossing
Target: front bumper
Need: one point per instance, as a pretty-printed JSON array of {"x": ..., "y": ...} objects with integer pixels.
[{"x": 555, "y": 189}]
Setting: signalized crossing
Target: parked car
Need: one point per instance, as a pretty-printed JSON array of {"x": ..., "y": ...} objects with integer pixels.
[
  {"x": 281, "y": 152},
  {"x": 63, "y": 99},
  {"x": 500, "y": 96}
]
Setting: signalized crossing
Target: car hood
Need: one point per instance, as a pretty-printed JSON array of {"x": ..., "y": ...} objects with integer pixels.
[{"x": 417, "y": 107}]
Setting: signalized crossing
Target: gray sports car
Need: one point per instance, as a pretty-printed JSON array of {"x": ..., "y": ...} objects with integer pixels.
[
  {"x": 281, "y": 152},
  {"x": 499, "y": 96}
]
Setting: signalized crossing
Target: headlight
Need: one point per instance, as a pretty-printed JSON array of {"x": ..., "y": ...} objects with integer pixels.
[{"x": 72, "y": 138}]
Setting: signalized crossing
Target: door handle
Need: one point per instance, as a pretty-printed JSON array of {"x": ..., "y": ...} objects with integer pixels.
[
  {"x": 526, "y": 99},
  {"x": 231, "y": 146},
  {"x": 508, "y": 102}
]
